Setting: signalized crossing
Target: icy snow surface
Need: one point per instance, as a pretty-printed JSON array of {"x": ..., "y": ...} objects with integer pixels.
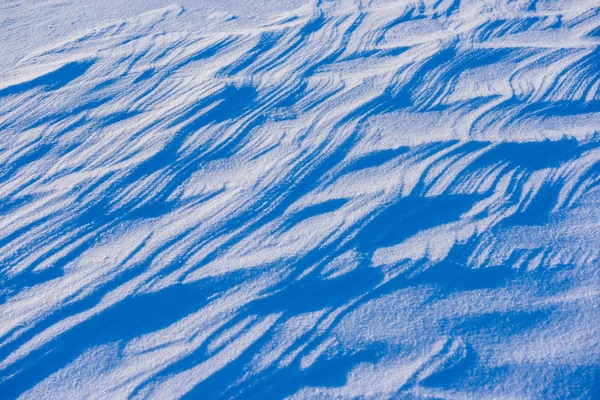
[{"x": 300, "y": 199}]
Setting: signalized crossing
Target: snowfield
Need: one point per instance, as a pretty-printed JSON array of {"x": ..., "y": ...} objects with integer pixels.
[{"x": 300, "y": 199}]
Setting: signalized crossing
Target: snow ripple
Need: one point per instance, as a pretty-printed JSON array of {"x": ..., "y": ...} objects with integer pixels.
[{"x": 351, "y": 199}]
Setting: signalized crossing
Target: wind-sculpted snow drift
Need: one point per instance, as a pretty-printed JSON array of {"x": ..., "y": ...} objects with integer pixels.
[{"x": 345, "y": 199}]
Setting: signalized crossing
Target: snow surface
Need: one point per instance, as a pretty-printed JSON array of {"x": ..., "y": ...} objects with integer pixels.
[{"x": 300, "y": 199}]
